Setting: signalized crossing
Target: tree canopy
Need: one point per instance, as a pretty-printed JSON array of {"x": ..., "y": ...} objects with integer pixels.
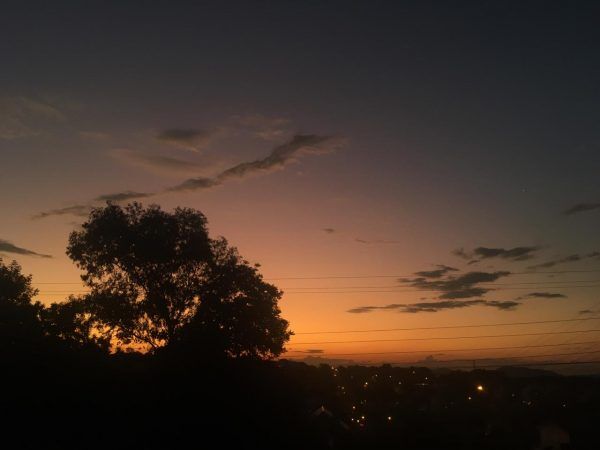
[
  {"x": 157, "y": 280},
  {"x": 20, "y": 325}
]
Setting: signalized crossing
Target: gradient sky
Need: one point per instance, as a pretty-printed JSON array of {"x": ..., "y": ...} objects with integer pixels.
[{"x": 427, "y": 127}]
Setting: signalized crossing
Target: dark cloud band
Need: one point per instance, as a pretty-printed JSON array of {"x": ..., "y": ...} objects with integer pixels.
[
  {"x": 437, "y": 306},
  {"x": 513, "y": 254},
  {"x": 581, "y": 207},
  {"x": 8, "y": 247},
  {"x": 280, "y": 156}
]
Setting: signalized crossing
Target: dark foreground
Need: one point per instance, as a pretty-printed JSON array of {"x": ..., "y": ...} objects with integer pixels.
[{"x": 129, "y": 401}]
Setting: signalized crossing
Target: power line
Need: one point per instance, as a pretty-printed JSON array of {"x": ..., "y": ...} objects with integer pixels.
[
  {"x": 445, "y": 337},
  {"x": 451, "y": 349},
  {"x": 531, "y": 272},
  {"x": 565, "y": 285},
  {"x": 400, "y": 286},
  {"x": 438, "y": 290},
  {"x": 562, "y": 326},
  {"x": 445, "y": 327}
]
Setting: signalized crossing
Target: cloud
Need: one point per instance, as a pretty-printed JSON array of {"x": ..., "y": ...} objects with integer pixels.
[
  {"x": 543, "y": 295},
  {"x": 456, "y": 287},
  {"x": 187, "y": 138},
  {"x": 84, "y": 210},
  {"x": 414, "y": 308},
  {"x": 75, "y": 210},
  {"x": 375, "y": 241},
  {"x": 8, "y": 247},
  {"x": 194, "y": 184},
  {"x": 461, "y": 253},
  {"x": 161, "y": 164},
  {"x": 280, "y": 156},
  {"x": 122, "y": 196},
  {"x": 22, "y": 117},
  {"x": 581, "y": 207},
  {"x": 507, "y": 305},
  {"x": 443, "y": 270},
  {"x": 312, "y": 351},
  {"x": 364, "y": 309},
  {"x": 567, "y": 259},
  {"x": 267, "y": 128},
  {"x": 513, "y": 254},
  {"x": 329, "y": 230},
  {"x": 466, "y": 292}
]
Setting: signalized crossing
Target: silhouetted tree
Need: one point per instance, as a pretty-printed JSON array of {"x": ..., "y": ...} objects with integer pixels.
[
  {"x": 238, "y": 311},
  {"x": 71, "y": 323},
  {"x": 20, "y": 324},
  {"x": 157, "y": 279}
]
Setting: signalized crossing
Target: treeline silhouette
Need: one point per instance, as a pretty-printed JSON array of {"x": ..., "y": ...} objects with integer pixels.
[{"x": 176, "y": 343}]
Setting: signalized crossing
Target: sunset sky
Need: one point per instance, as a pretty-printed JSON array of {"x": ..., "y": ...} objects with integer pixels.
[{"x": 343, "y": 147}]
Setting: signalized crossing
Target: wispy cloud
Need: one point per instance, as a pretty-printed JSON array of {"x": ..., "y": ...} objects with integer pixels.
[
  {"x": 513, "y": 254},
  {"x": 8, "y": 247},
  {"x": 81, "y": 210},
  {"x": 280, "y": 156},
  {"x": 456, "y": 291},
  {"x": 187, "y": 138},
  {"x": 436, "y": 306},
  {"x": 364, "y": 309},
  {"x": 161, "y": 164},
  {"x": 581, "y": 207},
  {"x": 441, "y": 271},
  {"x": 414, "y": 308},
  {"x": 267, "y": 128},
  {"x": 456, "y": 287},
  {"x": 22, "y": 117},
  {"x": 122, "y": 196},
  {"x": 376, "y": 241},
  {"x": 543, "y": 295},
  {"x": 505, "y": 305},
  {"x": 565, "y": 260},
  {"x": 329, "y": 230},
  {"x": 312, "y": 351},
  {"x": 74, "y": 210}
]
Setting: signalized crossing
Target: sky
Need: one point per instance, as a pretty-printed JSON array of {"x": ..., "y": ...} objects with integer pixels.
[{"x": 389, "y": 164}]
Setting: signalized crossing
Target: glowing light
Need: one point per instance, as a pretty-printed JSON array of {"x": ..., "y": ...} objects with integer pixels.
[
  {"x": 389, "y": 418},
  {"x": 480, "y": 388}
]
